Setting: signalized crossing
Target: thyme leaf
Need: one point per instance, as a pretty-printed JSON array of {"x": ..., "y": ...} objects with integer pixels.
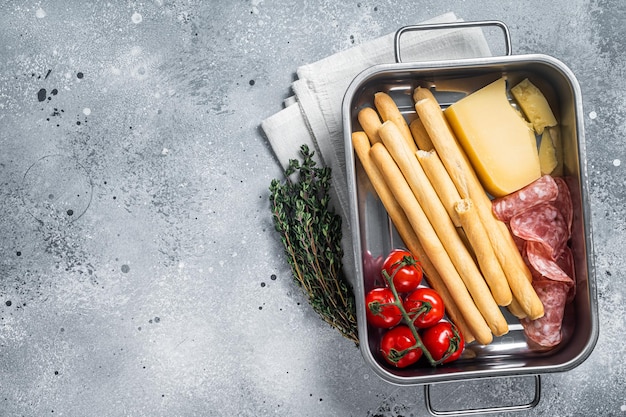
[{"x": 310, "y": 232}]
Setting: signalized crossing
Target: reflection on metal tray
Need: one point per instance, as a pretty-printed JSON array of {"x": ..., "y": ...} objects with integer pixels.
[{"x": 374, "y": 235}]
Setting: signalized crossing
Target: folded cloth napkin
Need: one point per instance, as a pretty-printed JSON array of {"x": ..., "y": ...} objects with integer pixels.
[{"x": 313, "y": 116}]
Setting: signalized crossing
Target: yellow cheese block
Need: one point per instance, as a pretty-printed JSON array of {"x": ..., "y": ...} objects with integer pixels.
[
  {"x": 555, "y": 135},
  {"x": 547, "y": 153},
  {"x": 534, "y": 105},
  {"x": 500, "y": 145}
]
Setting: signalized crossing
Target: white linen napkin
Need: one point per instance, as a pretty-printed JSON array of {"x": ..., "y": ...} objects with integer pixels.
[{"x": 313, "y": 115}]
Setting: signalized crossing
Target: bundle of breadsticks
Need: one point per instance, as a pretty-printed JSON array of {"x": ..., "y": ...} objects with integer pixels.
[{"x": 443, "y": 215}]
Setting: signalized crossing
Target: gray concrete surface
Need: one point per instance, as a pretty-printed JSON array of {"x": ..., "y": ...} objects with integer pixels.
[{"x": 139, "y": 272}]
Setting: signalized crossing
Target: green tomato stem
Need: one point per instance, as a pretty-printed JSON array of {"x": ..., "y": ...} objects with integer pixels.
[
  {"x": 425, "y": 307},
  {"x": 376, "y": 307},
  {"x": 405, "y": 316}
]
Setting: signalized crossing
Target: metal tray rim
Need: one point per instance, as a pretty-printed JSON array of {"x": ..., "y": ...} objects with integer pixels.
[{"x": 354, "y": 219}]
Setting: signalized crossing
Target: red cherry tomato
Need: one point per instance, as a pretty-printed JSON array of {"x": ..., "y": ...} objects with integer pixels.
[
  {"x": 405, "y": 270},
  {"x": 443, "y": 341},
  {"x": 424, "y": 306},
  {"x": 380, "y": 308},
  {"x": 398, "y": 347}
]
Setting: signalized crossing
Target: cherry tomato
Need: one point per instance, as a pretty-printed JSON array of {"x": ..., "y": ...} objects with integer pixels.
[
  {"x": 380, "y": 308},
  {"x": 424, "y": 306},
  {"x": 405, "y": 270},
  {"x": 398, "y": 347},
  {"x": 443, "y": 341}
]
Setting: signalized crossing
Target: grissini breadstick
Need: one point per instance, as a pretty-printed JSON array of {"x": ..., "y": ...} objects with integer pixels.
[
  {"x": 437, "y": 283},
  {"x": 422, "y": 92},
  {"x": 446, "y": 189},
  {"x": 444, "y": 143},
  {"x": 370, "y": 122},
  {"x": 459, "y": 169},
  {"x": 389, "y": 111},
  {"x": 436, "y": 173},
  {"x": 516, "y": 309},
  {"x": 479, "y": 240},
  {"x": 438, "y": 217},
  {"x": 420, "y": 135},
  {"x": 361, "y": 145},
  {"x": 430, "y": 242}
]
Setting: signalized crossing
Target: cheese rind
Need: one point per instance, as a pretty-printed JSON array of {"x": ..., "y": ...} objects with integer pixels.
[
  {"x": 499, "y": 144},
  {"x": 534, "y": 105}
]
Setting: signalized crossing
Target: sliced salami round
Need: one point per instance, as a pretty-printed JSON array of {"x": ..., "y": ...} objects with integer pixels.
[
  {"x": 546, "y": 331},
  {"x": 542, "y": 224},
  {"x": 563, "y": 202},
  {"x": 566, "y": 263},
  {"x": 539, "y": 217},
  {"x": 540, "y": 191},
  {"x": 541, "y": 260}
]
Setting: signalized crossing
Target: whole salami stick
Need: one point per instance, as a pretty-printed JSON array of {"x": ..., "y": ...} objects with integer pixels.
[
  {"x": 361, "y": 145},
  {"x": 438, "y": 217},
  {"x": 461, "y": 172},
  {"x": 430, "y": 241}
]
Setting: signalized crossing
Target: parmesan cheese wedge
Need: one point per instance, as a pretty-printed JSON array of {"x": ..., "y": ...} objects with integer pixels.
[
  {"x": 547, "y": 154},
  {"x": 534, "y": 105},
  {"x": 500, "y": 145},
  {"x": 555, "y": 135}
]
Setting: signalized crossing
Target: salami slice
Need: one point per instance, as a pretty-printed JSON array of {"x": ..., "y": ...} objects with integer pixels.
[
  {"x": 540, "y": 191},
  {"x": 543, "y": 224},
  {"x": 546, "y": 331},
  {"x": 566, "y": 263},
  {"x": 520, "y": 243},
  {"x": 563, "y": 202},
  {"x": 541, "y": 260},
  {"x": 539, "y": 217},
  {"x": 524, "y": 252}
]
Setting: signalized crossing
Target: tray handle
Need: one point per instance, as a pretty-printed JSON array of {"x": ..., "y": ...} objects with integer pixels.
[
  {"x": 483, "y": 411},
  {"x": 452, "y": 25}
]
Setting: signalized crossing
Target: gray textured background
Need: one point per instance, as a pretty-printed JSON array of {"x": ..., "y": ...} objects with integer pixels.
[{"x": 139, "y": 271}]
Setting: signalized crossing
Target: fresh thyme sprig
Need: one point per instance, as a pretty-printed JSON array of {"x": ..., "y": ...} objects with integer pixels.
[{"x": 311, "y": 235}]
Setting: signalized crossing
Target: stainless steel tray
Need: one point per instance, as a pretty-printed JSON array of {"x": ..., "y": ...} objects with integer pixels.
[{"x": 374, "y": 235}]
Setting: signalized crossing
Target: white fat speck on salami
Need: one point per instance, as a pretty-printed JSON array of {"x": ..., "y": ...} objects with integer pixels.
[{"x": 543, "y": 190}]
